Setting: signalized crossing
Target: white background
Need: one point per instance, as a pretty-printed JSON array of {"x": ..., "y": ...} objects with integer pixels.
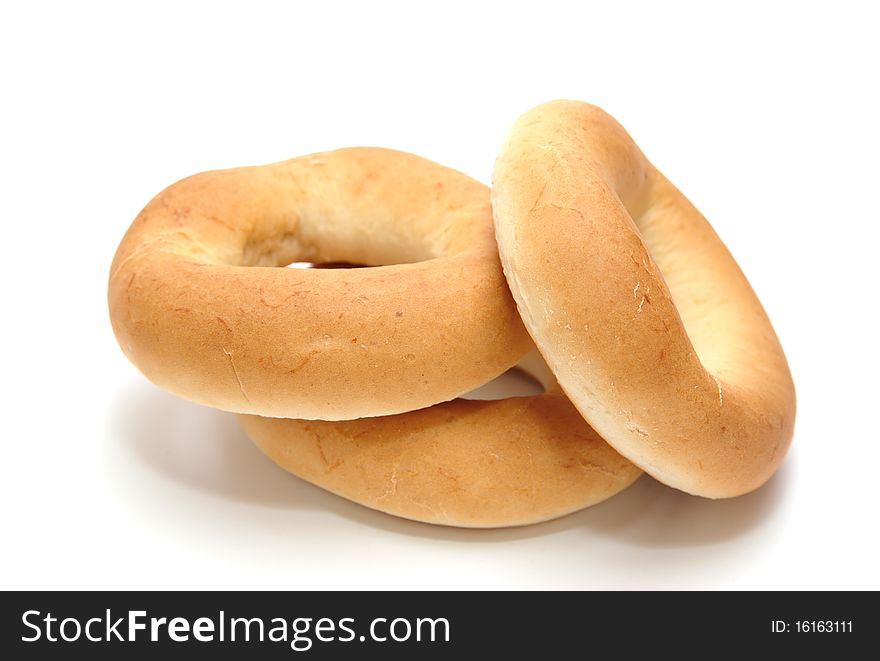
[{"x": 765, "y": 115}]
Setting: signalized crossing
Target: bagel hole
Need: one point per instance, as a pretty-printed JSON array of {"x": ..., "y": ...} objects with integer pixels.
[
  {"x": 326, "y": 265},
  {"x": 515, "y": 382}
]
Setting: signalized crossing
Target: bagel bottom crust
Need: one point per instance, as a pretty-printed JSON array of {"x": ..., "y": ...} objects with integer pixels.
[{"x": 472, "y": 464}]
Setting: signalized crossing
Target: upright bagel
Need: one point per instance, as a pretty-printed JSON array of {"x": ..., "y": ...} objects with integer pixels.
[
  {"x": 476, "y": 464},
  {"x": 198, "y": 306},
  {"x": 637, "y": 306}
]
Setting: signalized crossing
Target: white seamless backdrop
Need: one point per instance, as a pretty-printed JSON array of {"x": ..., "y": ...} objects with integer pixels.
[{"x": 765, "y": 114}]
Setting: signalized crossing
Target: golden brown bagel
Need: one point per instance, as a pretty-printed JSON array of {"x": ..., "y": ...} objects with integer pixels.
[
  {"x": 476, "y": 464},
  {"x": 637, "y": 306},
  {"x": 198, "y": 305}
]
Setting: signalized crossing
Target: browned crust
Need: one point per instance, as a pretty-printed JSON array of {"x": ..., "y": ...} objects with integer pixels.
[
  {"x": 198, "y": 308},
  {"x": 478, "y": 464},
  {"x": 637, "y": 306}
]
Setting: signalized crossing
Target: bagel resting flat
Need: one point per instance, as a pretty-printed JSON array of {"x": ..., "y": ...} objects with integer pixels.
[
  {"x": 477, "y": 464},
  {"x": 198, "y": 306},
  {"x": 637, "y": 306}
]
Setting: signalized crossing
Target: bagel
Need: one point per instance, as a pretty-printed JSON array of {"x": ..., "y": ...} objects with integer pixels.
[
  {"x": 198, "y": 306},
  {"x": 465, "y": 463},
  {"x": 637, "y": 306}
]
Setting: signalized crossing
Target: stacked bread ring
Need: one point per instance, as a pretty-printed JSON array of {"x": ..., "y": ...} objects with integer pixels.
[{"x": 654, "y": 352}]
